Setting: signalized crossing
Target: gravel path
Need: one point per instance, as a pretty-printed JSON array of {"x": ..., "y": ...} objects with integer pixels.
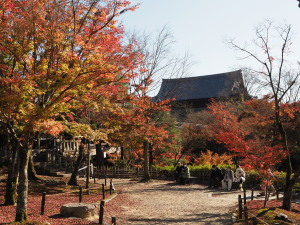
[{"x": 163, "y": 202}]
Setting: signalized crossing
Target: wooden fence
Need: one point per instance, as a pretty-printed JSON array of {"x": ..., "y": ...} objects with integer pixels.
[{"x": 127, "y": 172}]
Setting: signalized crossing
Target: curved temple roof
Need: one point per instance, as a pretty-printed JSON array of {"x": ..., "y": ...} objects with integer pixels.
[{"x": 201, "y": 87}]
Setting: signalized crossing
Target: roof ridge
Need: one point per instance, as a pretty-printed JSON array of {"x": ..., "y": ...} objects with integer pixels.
[{"x": 204, "y": 76}]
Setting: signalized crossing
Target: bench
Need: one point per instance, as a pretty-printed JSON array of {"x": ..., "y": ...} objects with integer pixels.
[
  {"x": 191, "y": 179},
  {"x": 188, "y": 180}
]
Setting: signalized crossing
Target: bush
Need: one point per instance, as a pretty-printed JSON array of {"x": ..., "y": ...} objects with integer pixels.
[
  {"x": 211, "y": 158},
  {"x": 200, "y": 171},
  {"x": 253, "y": 179}
]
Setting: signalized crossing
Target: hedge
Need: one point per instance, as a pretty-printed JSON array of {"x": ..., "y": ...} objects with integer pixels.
[{"x": 253, "y": 180}]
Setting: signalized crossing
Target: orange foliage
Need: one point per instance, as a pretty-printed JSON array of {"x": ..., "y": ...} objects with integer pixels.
[
  {"x": 51, "y": 127},
  {"x": 210, "y": 158}
]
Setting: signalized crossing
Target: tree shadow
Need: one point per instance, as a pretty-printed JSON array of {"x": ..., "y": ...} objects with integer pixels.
[
  {"x": 168, "y": 187},
  {"x": 203, "y": 218}
]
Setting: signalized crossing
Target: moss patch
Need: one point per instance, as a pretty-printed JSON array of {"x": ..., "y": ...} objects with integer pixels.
[{"x": 268, "y": 215}]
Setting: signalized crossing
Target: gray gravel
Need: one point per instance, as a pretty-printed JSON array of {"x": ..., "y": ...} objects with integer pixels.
[{"x": 164, "y": 202}]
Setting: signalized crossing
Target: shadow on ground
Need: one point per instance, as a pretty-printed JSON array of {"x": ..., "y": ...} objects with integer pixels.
[{"x": 196, "y": 218}]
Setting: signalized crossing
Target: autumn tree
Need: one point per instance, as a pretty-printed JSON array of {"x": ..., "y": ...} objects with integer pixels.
[
  {"x": 138, "y": 126},
  {"x": 279, "y": 80},
  {"x": 51, "y": 54},
  {"x": 144, "y": 127},
  {"x": 246, "y": 129}
]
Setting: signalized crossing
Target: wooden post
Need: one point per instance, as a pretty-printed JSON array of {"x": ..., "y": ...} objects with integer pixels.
[
  {"x": 105, "y": 181},
  {"x": 43, "y": 203},
  {"x": 245, "y": 197},
  {"x": 240, "y": 207},
  {"x": 252, "y": 193},
  {"x": 113, "y": 220},
  {"x": 88, "y": 171},
  {"x": 246, "y": 214},
  {"x": 277, "y": 194},
  {"x": 94, "y": 179},
  {"x": 80, "y": 194},
  {"x": 101, "y": 214},
  {"x": 110, "y": 187},
  {"x": 103, "y": 191}
]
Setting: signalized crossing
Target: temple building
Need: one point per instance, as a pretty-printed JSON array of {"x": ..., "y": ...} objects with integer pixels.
[{"x": 194, "y": 93}]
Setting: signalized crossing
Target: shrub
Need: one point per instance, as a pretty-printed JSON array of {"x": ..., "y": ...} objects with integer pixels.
[
  {"x": 253, "y": 179},
  {"x": 211, "y": 158}
]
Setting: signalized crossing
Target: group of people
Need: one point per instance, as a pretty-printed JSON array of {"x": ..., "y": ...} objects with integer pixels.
[
  {"x": 182, "y": 173},
  {"x": 227, "y": 178}
]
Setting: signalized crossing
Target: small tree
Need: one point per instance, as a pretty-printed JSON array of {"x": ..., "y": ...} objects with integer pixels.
[{"x": 280, "y": 80}]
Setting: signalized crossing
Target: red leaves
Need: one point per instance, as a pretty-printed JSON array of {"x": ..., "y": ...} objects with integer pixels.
[{"x": 245, "y": 130}]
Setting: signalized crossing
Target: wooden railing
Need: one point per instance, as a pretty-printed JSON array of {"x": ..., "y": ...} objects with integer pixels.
[{"x": 127, "y": 172}]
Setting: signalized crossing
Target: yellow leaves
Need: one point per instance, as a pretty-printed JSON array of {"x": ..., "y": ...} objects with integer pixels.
[
  {"x": 210, "y": 158},
  {"x": 85, "y": 130},
  {"x": 64, "y": 67}
]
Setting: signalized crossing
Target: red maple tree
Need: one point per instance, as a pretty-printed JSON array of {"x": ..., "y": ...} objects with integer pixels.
[{"x": 246, "y": 130}]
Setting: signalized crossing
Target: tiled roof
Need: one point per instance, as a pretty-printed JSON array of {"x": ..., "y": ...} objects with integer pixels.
[{"x": 200, "y": 87}]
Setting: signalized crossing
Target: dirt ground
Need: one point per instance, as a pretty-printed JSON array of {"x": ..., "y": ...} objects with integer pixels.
[{"x": 164, "y": 202}]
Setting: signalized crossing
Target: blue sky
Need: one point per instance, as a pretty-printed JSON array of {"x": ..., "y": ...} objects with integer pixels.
[{"x": 201, "y": 26}]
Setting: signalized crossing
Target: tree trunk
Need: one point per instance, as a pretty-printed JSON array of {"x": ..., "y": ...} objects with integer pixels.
[
  {"x": 12, "y": 179},
  {"x": 151, "y": 157},
  {"x": 288, "y": 188},
  {"x": 21, "y": 210},
  {"x": 32, "y": 175},
  {"x": 289, "y": 179},
  {"x": 122, "y": 153},
  {"x": 287, "y": 197},
  {"x": 99, "y": 156},
  {"x": 73, "y": 179},
  {"x": 146, "y": 162}
]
